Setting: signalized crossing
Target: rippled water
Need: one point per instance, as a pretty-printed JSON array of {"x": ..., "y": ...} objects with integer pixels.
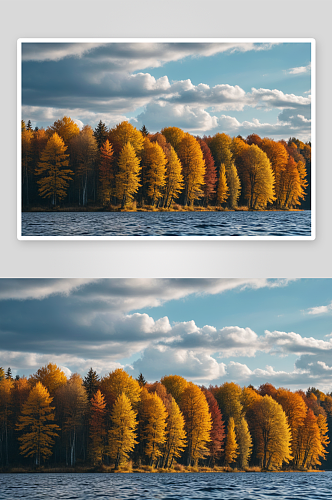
[
  {"x": 166, "y": 223},
  {"x": 240, "y": 486}
]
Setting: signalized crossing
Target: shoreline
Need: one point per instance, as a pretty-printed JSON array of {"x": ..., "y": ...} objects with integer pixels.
[
  {"x": 156, "y": 210},
  {"x": 148, "y": 470}
]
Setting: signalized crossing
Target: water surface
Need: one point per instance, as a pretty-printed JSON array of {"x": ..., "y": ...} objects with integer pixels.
[
  {"x": 192, "y": 486},
  {"x": 166, "y": 223}
]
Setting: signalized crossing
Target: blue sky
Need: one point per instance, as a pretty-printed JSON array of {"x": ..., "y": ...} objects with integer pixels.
[
  {"x": 249, "y": 331},
  {"x": 204, "y": 88}
]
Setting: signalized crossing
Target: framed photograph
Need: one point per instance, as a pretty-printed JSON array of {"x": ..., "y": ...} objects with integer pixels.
[{"x": 166, "y": 139}]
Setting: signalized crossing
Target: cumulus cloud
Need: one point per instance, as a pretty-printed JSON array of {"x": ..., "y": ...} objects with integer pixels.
[
  {"x": 162, "y": 114},
  {"x": 27, "y": 363},
  {"x": 278, "y": 99},
  {"x": 320, "y": 309},
  {"x": 228, "y": 341},
  {"x": 158, "y": 361},
  {"x": 295, "y": 125},
  {"x": 219, "y": 97},
  {"x": 299, "y": 70},
  {"x": 293, "y": 343}
]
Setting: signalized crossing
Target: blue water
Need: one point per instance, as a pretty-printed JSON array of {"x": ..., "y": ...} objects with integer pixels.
[
  {"x": 192, "y": 486},
  {"x": 166, "y": 223}
]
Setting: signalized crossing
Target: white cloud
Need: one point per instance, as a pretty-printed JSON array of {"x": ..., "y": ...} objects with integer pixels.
[
  {"x": 320, "y": 309},
  {"x": 27, "y": 363},
  {"x": 277, "y": 98},
  {"x": 299, "y": 70},
  {"x": 296, "y": 125},
  {"x": 293, "y": 343},
  {"x": 158, "y": 361},
  {"x": 159, "y": 114}
]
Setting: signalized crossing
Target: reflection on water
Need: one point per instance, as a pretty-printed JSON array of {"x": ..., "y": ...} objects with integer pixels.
[
  {"x": 166, "y": 223},
  {"x": 192, "y": 486}
]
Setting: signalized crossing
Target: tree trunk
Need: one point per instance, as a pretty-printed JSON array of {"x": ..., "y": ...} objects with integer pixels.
[{"x": 72, "y": 450}]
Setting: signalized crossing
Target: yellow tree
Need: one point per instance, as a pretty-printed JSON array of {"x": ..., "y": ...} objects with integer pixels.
[
  {"x": 175, "y": 434},
  {"x": 122, "y": 436},
  {"x": 296, "y": 411},
  {"x": 51, "y": 376},
  {"x": 244, "y": 442},
  {"x": 228, "y": 396},
  {"x": 237, "y": 146},
  {"x": 248, "y": 398},
  {"x": 222, "y": 189},
  {"x": 289, "y": 183},
  {"x": 65, "y": 127},
  {"x": 220, "y": 146},
  {"x": 272, "y": 433},
  {"x": 195, "y": 410},
  {"x": 174, "y": 178},
  {"x": 37, "y": 424},
  {"x": 193, "y": 168},
  {"x": 234, "y": 185},
  {"x": 127, "y": 182},
  {"x": 175, "y": 385},
  {"x": 303, "y": 177},
  {"x": 174, "y": 136},
  {"x": 231, "y": 446},
  {"x": 221, "y": 149},
  {"x": 6, "y": 390},
  {"x": 56, "y": 177},
  {"x": 278, "y": 156},
  {"x": 313, "y": 440},
  {"x": 154, "y": 431},
  {"x": 123, "y": 133},
  {"x": 97, "y": 430},
  {"x": 155, "y": 170},
  {"x": 323, "y": 431},
  {"x": 118, "y": 382},
  {"x": 257, "y": 177},
  {"x": 293, "y": 183},
  {"x": 106, "y": 174}
]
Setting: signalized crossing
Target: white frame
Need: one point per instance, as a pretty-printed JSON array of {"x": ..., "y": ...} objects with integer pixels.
[{"x": 312, "y": 41}]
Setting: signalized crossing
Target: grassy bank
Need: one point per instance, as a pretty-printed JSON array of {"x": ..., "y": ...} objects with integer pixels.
[
  {"x": 144, "y": 469},
  {"x": 147, "y": 208}
]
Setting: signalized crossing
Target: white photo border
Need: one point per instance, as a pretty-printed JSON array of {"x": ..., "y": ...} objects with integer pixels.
[{"x": 312, "y": 41}]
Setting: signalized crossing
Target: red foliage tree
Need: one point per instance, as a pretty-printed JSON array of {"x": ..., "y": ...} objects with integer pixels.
[
  {"x": 254, "y": 139},
  {"x": 268, "y": 389},
  {"x": 217, "y": 433},
  {"x": 210, "y": 177}
]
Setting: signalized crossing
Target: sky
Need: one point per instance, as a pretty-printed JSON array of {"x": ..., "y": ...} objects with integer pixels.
[
  {"x": 203, "y": 88},
  {"x": 249, "y": 331}
]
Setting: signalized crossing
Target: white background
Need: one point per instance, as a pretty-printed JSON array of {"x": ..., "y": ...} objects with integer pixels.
[{"x": 171, "y": 18}]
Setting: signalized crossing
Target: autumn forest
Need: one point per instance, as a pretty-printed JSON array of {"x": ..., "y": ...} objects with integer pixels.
[
  {"x": 118, "y": 423},
  {"x": 122, "y": 168}
]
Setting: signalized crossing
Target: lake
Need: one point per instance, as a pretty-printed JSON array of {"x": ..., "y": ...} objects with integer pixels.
[
  {"x": 166, "y": 223},
  {"x": 192, "y": 486}
]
